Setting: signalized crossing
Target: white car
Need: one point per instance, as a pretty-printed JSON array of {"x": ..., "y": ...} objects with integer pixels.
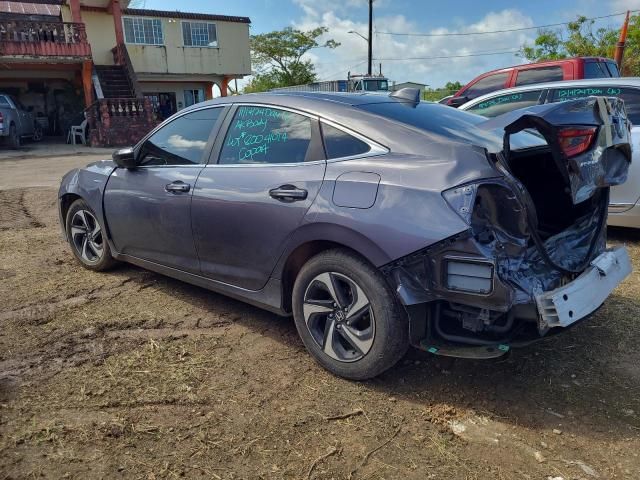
[{"x": 624, "y": 203}]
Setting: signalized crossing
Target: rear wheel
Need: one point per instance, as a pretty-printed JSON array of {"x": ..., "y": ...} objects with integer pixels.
[
  {"x": 348, "y": 317},
  {"x": 87, "y": 238},
  {"x": 14, "y": 138}
]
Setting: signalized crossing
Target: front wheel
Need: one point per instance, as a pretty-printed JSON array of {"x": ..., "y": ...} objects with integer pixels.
[
  {"x": 87, "y": 237},
  {"x": 348, "y": 317}
]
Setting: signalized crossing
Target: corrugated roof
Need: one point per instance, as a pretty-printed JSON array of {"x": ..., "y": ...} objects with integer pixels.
[
  {"x": 22, "y": 8},
  {"x": 187, "y": 15}
]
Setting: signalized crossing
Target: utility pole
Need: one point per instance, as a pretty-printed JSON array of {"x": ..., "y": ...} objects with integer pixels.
[
  {"x": 370, "y": 69},
  {"x": 619, "y": 53}
]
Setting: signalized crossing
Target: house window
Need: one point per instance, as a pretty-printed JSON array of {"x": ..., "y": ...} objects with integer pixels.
[
  {"x": 146, "y": 31},
  {"x": 199, "y": 34},
  {"x": 192, "y": 97}
]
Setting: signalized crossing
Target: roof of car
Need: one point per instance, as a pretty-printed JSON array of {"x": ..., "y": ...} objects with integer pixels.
[
  {"x": 308, "y": 101},
  {"x": 617, "y": 82}
]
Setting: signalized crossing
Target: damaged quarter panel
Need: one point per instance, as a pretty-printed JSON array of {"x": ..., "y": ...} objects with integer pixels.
[{"x": 409, "y": 211}]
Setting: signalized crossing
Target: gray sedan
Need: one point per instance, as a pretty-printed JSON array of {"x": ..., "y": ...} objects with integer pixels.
[
  {"x": 624, "y": 206},
  {"x": 378, "y": 221}
]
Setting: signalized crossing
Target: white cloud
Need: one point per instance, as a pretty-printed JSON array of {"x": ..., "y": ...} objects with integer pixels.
[
  {"x": 353, "y": 50},
  {"x": 622, "y": 5}
]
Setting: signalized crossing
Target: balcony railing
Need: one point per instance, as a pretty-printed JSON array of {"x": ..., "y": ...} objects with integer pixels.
[
  {"x": 33, "y": 38},
  {"x": 115, "y": 122}
]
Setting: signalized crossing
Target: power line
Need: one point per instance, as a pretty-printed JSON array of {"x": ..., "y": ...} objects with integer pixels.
[
  {"x": 457, "y": 34},
  {"x": 477, "y": 54}
]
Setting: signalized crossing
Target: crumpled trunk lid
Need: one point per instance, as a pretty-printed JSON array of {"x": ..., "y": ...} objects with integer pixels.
[{"x": 606, "y": 160}]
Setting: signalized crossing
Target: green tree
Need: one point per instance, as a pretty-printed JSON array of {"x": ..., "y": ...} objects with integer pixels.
[
  {"x": 579, "y": 39},
  {"x": 277, "y": 58}
]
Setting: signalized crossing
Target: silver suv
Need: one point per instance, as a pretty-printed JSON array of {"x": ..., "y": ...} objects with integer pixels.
[
  {"x": 624, "y": 205},
  {"x": 16, "y": 122}
]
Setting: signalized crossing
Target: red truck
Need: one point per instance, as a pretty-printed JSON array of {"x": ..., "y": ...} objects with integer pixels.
[{"x": 565, "y": 69}]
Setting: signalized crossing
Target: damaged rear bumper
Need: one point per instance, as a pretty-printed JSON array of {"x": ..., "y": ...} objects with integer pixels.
[
  {"x": 568, "y": 304},
  {"x": 487, "y": 323}
]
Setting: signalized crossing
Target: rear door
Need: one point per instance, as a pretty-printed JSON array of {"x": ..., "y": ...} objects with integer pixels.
[
  {"x": 263, "y": 177},
  {"x": 25, "y": 119},
  {"x": 624, "y": 196},
  {"x": 148, "y": 208}
]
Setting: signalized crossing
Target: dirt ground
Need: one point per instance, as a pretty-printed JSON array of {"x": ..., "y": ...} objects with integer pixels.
[{"x": 129, "y": 374}]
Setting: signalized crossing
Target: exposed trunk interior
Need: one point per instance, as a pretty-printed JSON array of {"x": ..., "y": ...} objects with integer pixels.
[{"x": 538, "y": 172}]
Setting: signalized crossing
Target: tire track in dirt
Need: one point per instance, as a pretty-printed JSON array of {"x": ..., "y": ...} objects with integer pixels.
[{"x": 14, "y": 213}]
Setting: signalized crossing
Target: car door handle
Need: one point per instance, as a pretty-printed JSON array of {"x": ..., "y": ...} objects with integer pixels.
[
  {"x": 177, "y": 187},
  {"x": 288, "y": 193}
]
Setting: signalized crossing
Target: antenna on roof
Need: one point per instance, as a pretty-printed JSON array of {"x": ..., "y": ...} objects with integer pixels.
[{"x": 411, "y": 95}]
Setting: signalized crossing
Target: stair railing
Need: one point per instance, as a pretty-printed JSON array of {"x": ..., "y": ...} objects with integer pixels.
[{"x": 121, "y": 57}]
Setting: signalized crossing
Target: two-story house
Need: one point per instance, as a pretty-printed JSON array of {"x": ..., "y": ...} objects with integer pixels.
[{"x": 123, "y": 69}]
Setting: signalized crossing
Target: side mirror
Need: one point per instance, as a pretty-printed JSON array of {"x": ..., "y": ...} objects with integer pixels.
[
  {"x": 125, "y": 158},
  {"x": 457, "y": 101}
]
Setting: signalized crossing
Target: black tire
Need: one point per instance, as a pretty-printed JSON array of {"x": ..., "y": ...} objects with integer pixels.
[
  {"x": 90, "y": 248},
  {"x": 383, "y": 330},
  {"x": 14, "y": 139}
]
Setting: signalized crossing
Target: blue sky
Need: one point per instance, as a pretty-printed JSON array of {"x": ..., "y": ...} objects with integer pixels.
[{"x": 340, "y": 16}]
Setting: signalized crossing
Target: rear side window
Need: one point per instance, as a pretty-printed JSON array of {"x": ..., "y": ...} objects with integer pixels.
[
  {"x": 4, "y": 102},
  {"x": 631, "y": 97},
  {"x": 539, "y": 75},
  {"x": 500, "y": 104},
  {"x": 339, "y": 144},
  {"x": 487, "y": 85},
  {"x": 596, "y": 70},
  {"x": 266, "y": 135},
  {"x": 182, "y": 141},
  {"x": 613, "y": 69}
]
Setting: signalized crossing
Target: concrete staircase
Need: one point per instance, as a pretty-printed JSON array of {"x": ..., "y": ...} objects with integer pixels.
[{"x": 114, "y": 81}]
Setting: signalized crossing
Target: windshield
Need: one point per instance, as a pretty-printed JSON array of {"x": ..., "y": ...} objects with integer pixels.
[
  {"x": 375, "y": 85},
  {"x": 452, "y": 124}
]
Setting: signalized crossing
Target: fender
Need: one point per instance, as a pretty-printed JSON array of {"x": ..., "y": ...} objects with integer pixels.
[{"x": 89, "y": 183}]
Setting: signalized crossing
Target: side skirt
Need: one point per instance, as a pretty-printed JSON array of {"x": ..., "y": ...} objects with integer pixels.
[{"x": 268, "y": 298}]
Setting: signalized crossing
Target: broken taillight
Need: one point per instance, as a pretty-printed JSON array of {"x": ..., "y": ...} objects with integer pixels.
[{"x": 574, "y": 141}]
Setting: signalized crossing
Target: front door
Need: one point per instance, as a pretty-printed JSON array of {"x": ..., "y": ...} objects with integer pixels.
[
  {"x": 148, "y": 208},
  {"x": 270, "y": 170}
]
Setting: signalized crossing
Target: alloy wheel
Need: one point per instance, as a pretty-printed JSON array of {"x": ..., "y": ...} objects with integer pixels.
[
  {"x": 339, "y": 316},
  {"x": 86, "y": 236}
]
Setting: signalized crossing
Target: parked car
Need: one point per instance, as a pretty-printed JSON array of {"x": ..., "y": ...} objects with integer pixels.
[
  {"x": 16, "y": 122},
  {"x": 378, "y": 221},
  {"x": 531, "y": 73},
  {"x": 624, "y": 206}
]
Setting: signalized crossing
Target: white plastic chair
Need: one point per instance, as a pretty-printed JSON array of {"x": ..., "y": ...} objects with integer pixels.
[{"x": 76, "y": 130}]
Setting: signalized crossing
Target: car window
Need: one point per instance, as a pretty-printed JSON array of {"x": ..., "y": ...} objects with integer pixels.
[
  {"x": 182, "y": 141},
  {"x": 340, "y": 144},
  {"x": 596, "y": 70},
  {"x": 613, "y": 69},
  {"x": 486, "y": 85},
  {"x": 492, "y": 107},
  {"x": 266, "y": 135},
  {"x": 631, "y": 97},
  {"x": 17, "y": 103},
  {"x": 539, "y": 75},
  {"x": 4, "y": 102}
]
